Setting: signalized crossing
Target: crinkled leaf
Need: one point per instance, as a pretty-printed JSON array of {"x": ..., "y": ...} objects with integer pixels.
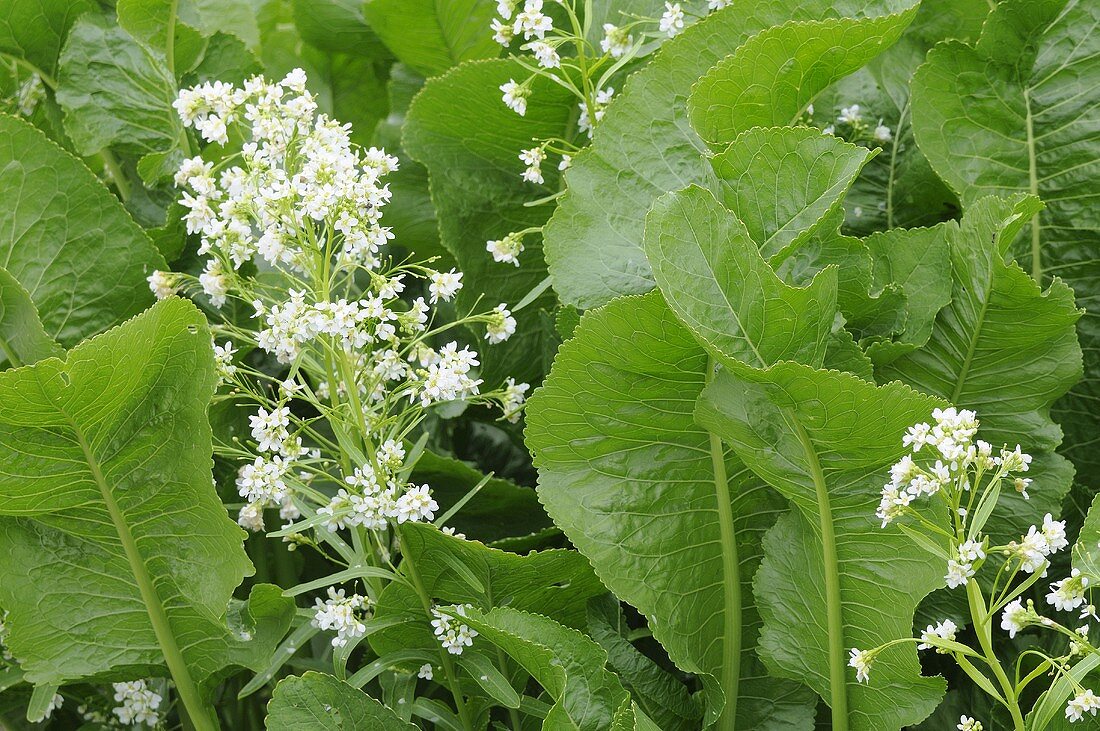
[
  {"x": 146, "y": 21},
  {"x": 115, "y": 92},
  {"x": 23, "y": 340},
  {"x": 471, "y": 152},
  {"x": 644, "y": 148},
  {"x": 1016, "y": 112},
  {"x": 67, "y": 240},
  {"x": 784, "y": 183},
  {"x": 1004, "y": 348},
  {"x": 825, "y": 440},
  {"x": 119, "y": 555},
  {"x": 670, "y": 522},
  {"x": 1086, "y": 552},
  {"x": 773, "y": 77},
  {"x": 320, "y": 702},
  {"x": 431, "y": 36},
  {"x": 336, "y": 26},
  {"x": 713, "y": 277}
]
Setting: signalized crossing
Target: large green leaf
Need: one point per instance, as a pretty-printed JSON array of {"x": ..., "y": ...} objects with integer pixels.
[
  {"x": 34, "y": 30},
  {"x": 67, "y": 240},
  {"x": 115, "y": 92},
  {"x": 119, "y": 557},
  {"x": 714, "y": 278},
  {"x": 320, "y": 702},
  {"x": 568, "y": 665},
  {"x": 22, "y": 338},
  {"x": 644, "y": 148},
  {"x": 1004, "y": 348},
  {"x": 471, "y": 152},
  {"x": 832, "y": 578},
  {"x": 431, "y": 36},
  {"x": 1016, "y": 113},
  {"x": 772, "y": 78},
  {"x": 670, "y": 522}
]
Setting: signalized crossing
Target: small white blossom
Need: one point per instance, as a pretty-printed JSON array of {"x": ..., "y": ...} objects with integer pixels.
[
  {"x": 533, "y": 158},
  {"x": 850, "y": 115},
  {"x": 882, "y": 133},
  {"x": 966, "y": 723},
  {"x": 162, "y": 284},
  {"x": 451, "y": 633},
  {"x": 616, "y": 41},
  {"x": 251, "y": 517},
  {"x": 970, "y": 551},
  {"x": 862, "y": 661},
  {"x": 672, "y": 21},
  {"x": 502, "y": 32},
  {"x": 545, "y": 54},
  {"x": 514, "y": 396},
  {"x": 502, "y": 325},
  {"x": 958, "y": 573},
  {"x": 341, "y": 613},
  {"x": 566, "y": 161},
  {"x": 425, "y": 671},
  {"x": 415, "y": 505},
  {"x": 223, "y": 361},
  {"x": 506, "y": 250},
  {"x": 515, "y": 96},
  {"x": 444, "y": 285},
  {"x": 1082, "y": 703},
  {"x": 532, "y": 22},
  {"x": 1068, "y": 593},
  {"x": 945, "y": 630},
  {"x": 1015, "y": 617},
  {"x": 138, "y": 704}
]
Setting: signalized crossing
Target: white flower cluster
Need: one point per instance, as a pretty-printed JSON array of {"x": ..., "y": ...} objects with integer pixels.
[
  {"x": 507, "y": 249},
  {"x": 451, "y": 633},
  {"x": 344, "y": 614},
  {"x": 952, "y": 436},
  {"x": 672, "y": 21},
  {"x": 851, "y": 117},
  {"x": 138, "y": 704},
  {"x": 967, "y": 723},
  {"x": 599, "y": 105},
  {"x": 1033, "y": 549},
  {"x": 1068, "y": 593},
  {"x": 374, "y": 496},
  {"x": 944, "y": 630},
  {"x": 298, "y": 167}
]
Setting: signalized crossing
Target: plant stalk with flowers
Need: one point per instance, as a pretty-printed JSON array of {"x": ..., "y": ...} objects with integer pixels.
[
  {"x": 565, "y": 55},
  {"x": 942, "y": 495},
  {"x": 291, "y": 228}
]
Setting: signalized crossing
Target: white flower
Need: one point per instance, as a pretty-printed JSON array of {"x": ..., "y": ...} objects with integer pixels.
[
  {"x": 970, "y": 551},
  {"x": 251, "y": 517},
  {"x": 341, "y": 613},
  {"x": 223, "y": 361},
  {"x": 505, "y": 8},
  {"x": 262, "y": 481},
  {"x": 882, "y": 133},
  {"x": 454, "y": 636},
  {"x": 139, "y": 705},
  {"x": 566, "y": 161},
  {"x": 162, "y": 284},
  {"x": 415, "y": 505},
  {"x": 515, "y": 96},
  {"x": 1021, "y": 484},
  {"x": 850, "y": 115},
  {"x": 444, "y": 285},
  {"x": 506, "y": 250},
  {"x": 599, "y": 106},
  {"x": 514, "y": 396},
  {"x": 718, "y": 5},
  {"x": 672, "y": 21},
  {"x": 545, "y": 54},
  {"x": 425, "y": 671},
  {"x": 616, "y": 41},
  {"x": 269, "y": 429},
  {"x": 958, "y": 573},
  {"x": 861, "y": 660},
  {"x": 1014, "y": 618},
  {"x": 1054, "y": 531},
  {"x": 1069, "y": 593},
  {"x": 1015, "y": 461},
  {"x": 532, "y": 22},
  {"x": 1082, "y": 703},
  {"x": 502, "y": 32},
  {"x": 502, "y": 325},
  {"x": 945, "y": 630},
  {"x": 214, "y": 282},
  {"x": 893, "y": 504},
  {"x": 966, "y": 723},
  {"x": 533, "y": 160}
]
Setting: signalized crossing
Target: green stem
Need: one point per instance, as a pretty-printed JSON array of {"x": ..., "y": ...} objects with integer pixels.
[
  {"x": 838, "y": 689},
  {"x": 731, "y": 584},
  {"x": 110, "y": 162},
  {"x": 444, "y": 656},
  {"x": 984, "y": 631},
  {"x": 170, "y": 38}
]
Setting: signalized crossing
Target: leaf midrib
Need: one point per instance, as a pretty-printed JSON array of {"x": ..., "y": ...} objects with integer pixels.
[
  {"x": 838, "y": 691},
  {"x": 158, "y": 615},
  {"x": 731, "y": 570},
  {"x": 1033, "y": 187}
]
